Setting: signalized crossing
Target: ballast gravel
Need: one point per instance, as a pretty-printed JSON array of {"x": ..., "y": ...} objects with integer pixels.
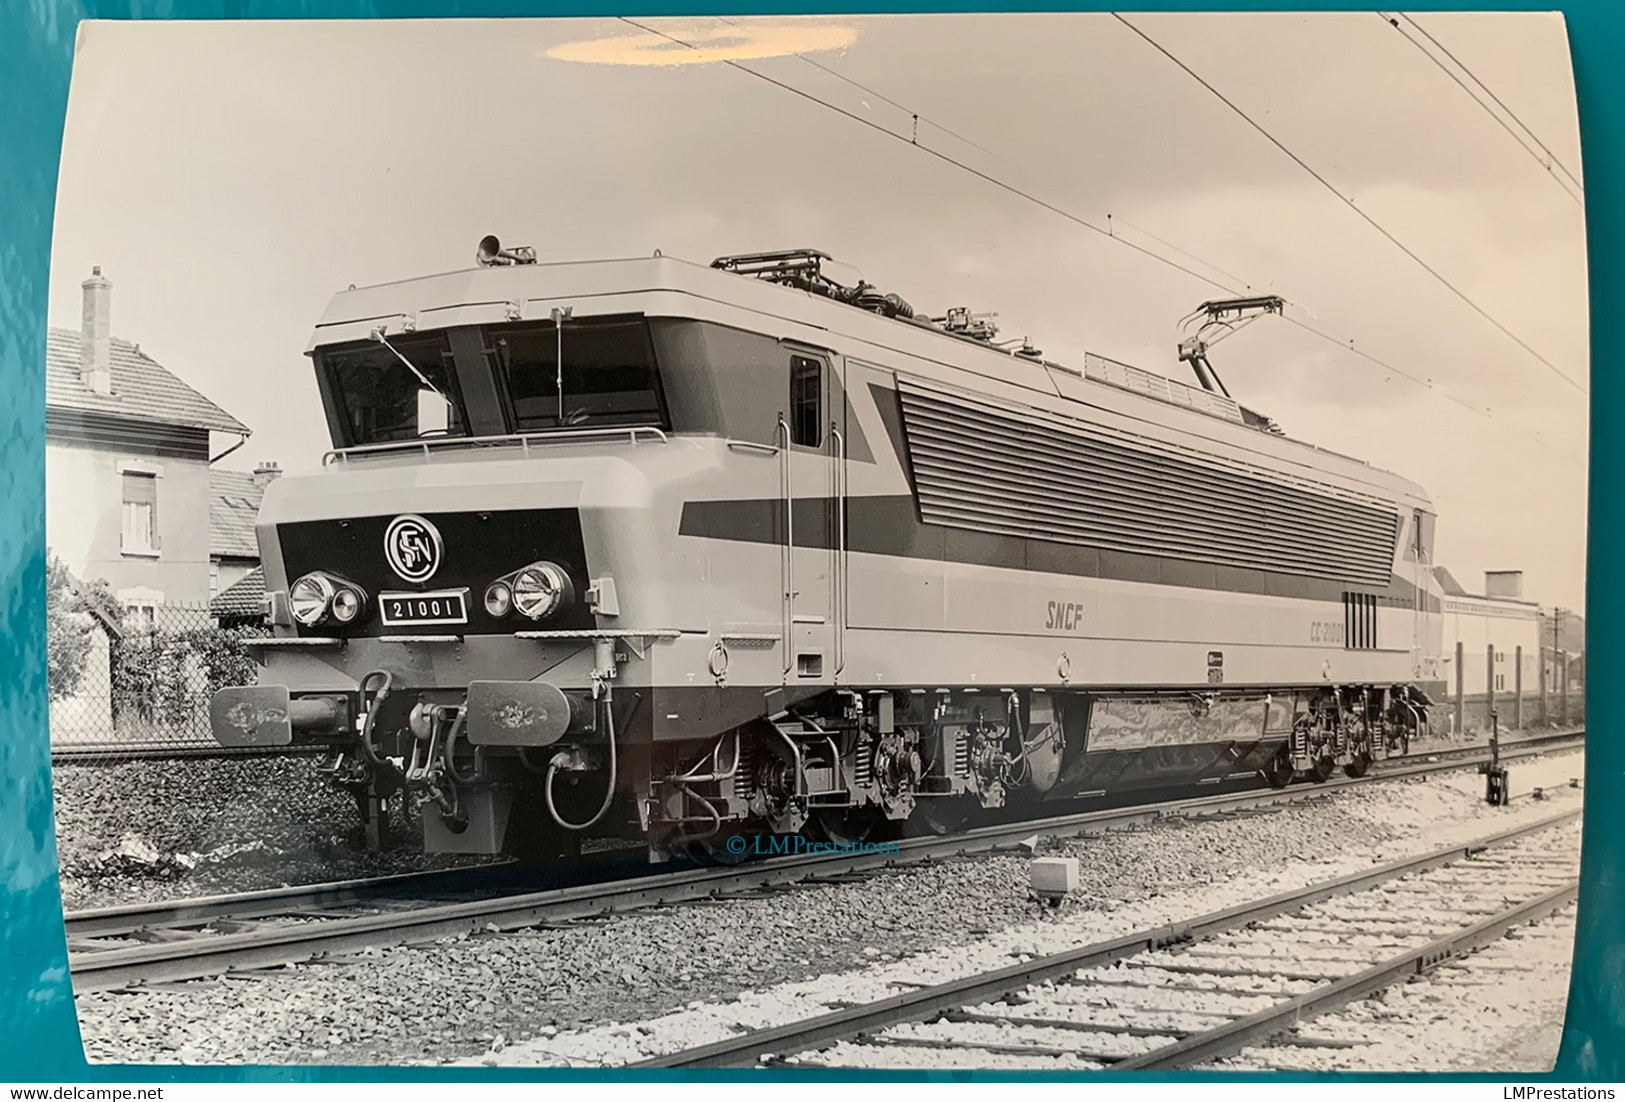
[
  {"x": 651, "y": 982},
  {"x": 139, "y": 831}
]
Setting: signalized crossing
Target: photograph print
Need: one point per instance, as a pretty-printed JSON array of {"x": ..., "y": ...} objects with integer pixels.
[{"x": 1011, "y": 542}]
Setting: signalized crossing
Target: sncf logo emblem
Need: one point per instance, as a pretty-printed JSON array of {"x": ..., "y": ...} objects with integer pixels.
[{"x": 413, "y": 548}]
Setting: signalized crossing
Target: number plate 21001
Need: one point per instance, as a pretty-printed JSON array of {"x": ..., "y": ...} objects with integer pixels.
[{"x": 448, "y": 606}]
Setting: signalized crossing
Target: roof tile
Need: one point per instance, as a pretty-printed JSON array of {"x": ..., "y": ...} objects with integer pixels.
[
  {"x": 244, "y": 597},
  {"x": 142, "y": 388},
  {"x": 234, "y": 503}
]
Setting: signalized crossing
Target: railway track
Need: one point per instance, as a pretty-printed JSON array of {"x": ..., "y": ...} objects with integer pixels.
[
  {"x": 1184, "y": 994},
  {"x": 119, "y": 947}
]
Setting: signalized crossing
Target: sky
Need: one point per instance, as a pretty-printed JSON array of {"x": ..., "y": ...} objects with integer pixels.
[{"x": 229, "y": 178}]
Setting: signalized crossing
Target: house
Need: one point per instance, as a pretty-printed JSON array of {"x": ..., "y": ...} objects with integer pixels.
[
  {"x": 234, "y": 504},
  {"x": 128, "y": 465}
]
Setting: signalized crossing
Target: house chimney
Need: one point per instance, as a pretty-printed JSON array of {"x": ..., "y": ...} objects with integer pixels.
[
  {"x": 1506, "y": 584},
  {"x": 266, "y": 473},
  {"x": 95, "y": 335}
]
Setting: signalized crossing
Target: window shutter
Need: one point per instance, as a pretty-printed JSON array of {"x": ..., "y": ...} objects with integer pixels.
[{"x": 140, "y": 513}]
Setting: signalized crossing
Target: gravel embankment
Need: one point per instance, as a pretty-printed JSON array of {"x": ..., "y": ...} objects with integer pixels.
[
  {"x": 502, "y": 998},
  {"x": 148, "y": 830}
]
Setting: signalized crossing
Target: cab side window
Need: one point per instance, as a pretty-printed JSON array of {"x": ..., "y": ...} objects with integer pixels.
[{"x": 806, "y": 401}]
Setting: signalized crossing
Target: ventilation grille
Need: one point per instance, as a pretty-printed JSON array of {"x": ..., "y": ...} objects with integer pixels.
[
  {"x": 990, "y": 469},
  {"x": 1360, "y": 621}
]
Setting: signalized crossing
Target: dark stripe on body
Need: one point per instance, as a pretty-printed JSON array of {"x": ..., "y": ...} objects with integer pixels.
[{"x": 888, "y": 525}]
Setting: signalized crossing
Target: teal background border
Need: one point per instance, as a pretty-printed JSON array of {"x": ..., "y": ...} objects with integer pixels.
[{"x": 39, "y": 1036}]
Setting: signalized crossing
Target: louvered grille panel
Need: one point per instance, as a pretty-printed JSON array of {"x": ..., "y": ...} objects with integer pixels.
[
  {"x": 988, "y": 469},
  {"x": 1360, "y": 621}
]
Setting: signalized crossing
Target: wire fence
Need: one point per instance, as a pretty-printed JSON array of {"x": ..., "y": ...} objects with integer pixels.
[
  {"x": 144, "y": 686},
  {"x": 1510, "y": 690},
  {"x": 1535, "y": 711}
]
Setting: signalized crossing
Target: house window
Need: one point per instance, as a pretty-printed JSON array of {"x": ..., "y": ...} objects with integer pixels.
[
  {"x": 1500, "y": 682},
  {"x": 140, "y": 609},
  {"x": 140, "y": 516},
  {"x": 806, "y": 401}
]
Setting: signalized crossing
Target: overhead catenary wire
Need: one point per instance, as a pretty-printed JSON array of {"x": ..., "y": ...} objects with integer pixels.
[
  {"x": 1246, "y": 284},
  {"x": 1552, "y": 159},
  {"x": 937, "y": 153},
  {"x": 1372, "y": 222},
  {"x": 1546, "y": 162},
  {"x": 882, "y": 97},
  {"x": 1342, "y": 343}
]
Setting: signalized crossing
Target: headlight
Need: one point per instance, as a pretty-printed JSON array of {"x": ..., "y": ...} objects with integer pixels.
[
  {"x": 540, "y": 590},
  {"x": 310, "y": 599},
  {"x": 318, "y": 597},
  {"x": 498, "y": 599},
  {"x": 347, "y": 604}
]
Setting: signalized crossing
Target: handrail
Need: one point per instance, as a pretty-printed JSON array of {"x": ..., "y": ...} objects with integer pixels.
[
  {"x": 751, "y": 446},
  {"x": 523, "y": 439},
  {"x": 839, "y": 595},
  {"x": 788, "y": 569}
]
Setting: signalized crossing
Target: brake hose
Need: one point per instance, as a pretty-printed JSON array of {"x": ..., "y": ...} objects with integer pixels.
[{"x": 609, "y": 792}]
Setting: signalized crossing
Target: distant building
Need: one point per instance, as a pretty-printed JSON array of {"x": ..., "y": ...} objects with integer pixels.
[
  {"x": 127, "y": 465},
  {"x": 1491, "y": 627}
]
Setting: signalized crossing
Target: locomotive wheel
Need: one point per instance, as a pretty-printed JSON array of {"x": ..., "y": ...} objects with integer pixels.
[
  {"x": 1359, "y": 766},
  {"x": 1279, "y": 771},
  {"x": 939, "y": 815},
  {"x": 848, "y": 826},
  {"x": 715, "y": 851},
  {"x": 1321, "y": 771}
]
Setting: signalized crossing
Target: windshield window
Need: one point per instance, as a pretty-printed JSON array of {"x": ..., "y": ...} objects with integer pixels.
[
  {"x": 379, "y": 399},
  {"x": 609, "y": 373}
]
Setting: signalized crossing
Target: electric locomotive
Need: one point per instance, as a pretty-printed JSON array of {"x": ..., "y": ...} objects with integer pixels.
[{"x": 692, "y": 551}]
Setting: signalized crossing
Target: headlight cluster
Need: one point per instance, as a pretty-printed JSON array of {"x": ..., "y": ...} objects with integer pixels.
[
  {"x": 318, "y": 598},
  {"x": 536, "y": 592}
]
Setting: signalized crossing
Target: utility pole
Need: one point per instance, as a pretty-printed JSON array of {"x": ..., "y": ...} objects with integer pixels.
[
  {"x": 1557, "y": 685},
  {"x": 1557, "y": 620}
]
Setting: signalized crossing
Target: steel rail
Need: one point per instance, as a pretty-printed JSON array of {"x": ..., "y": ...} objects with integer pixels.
[
  {"x": 748, "y": 1049},
  {"x": 193, "y": 957},
  {"x": 128, "y": 918},
  {"x": 1233, "y": 1036}
]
